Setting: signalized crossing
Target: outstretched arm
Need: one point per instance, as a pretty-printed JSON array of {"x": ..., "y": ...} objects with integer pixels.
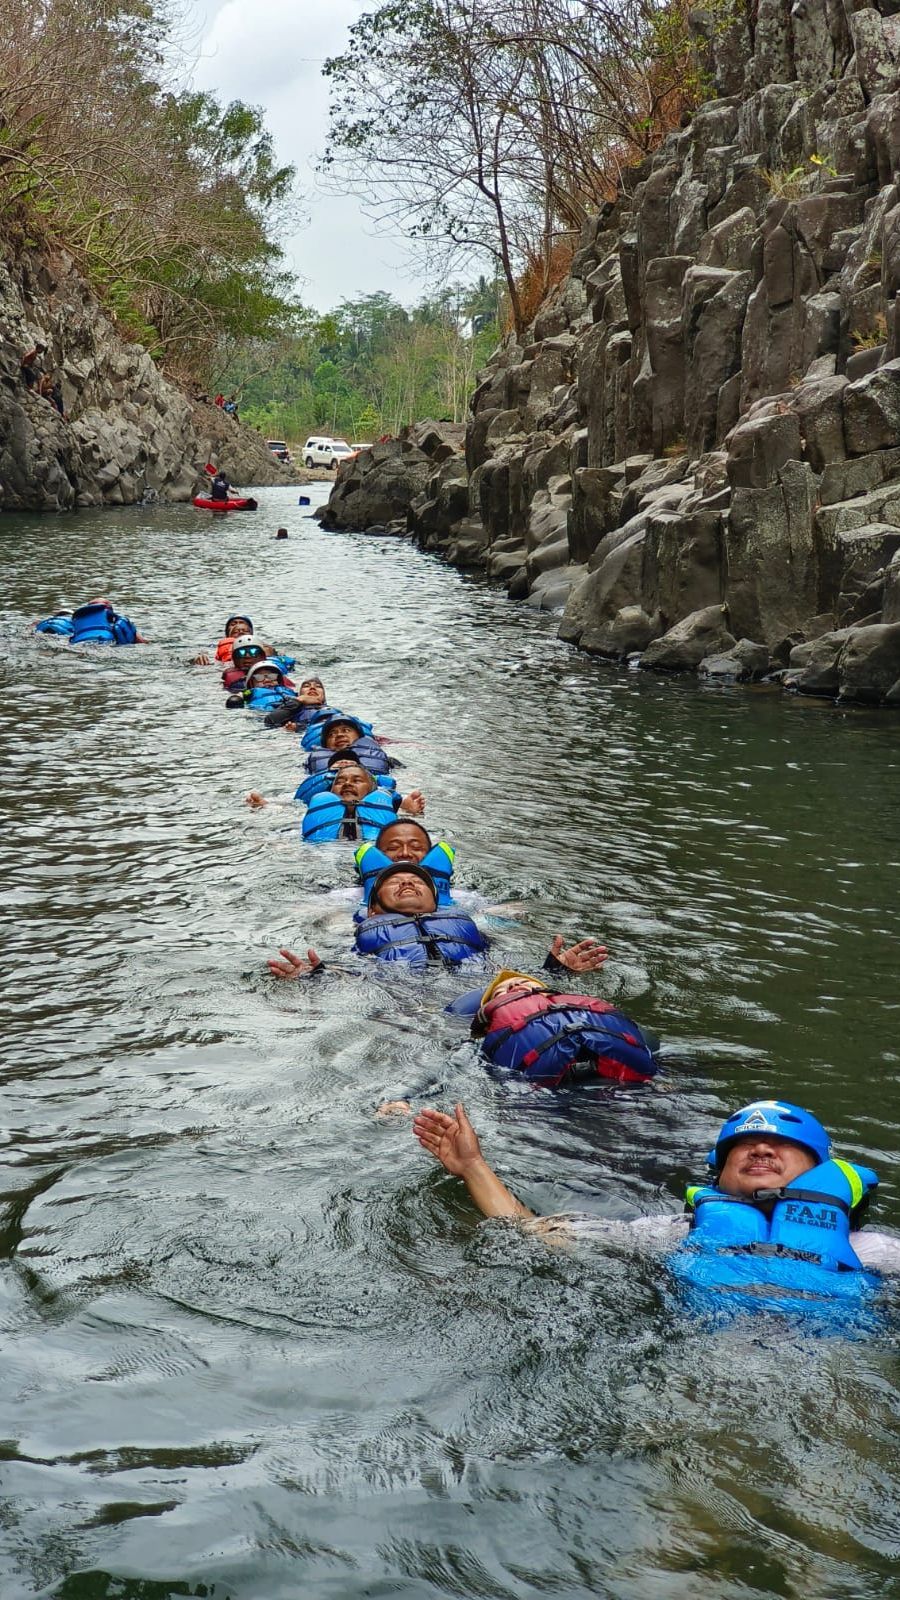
[
  {"x": 454, "y": 1143},
  {"x": 585, "y": 956},
  {"x": 293, "y": 966}
]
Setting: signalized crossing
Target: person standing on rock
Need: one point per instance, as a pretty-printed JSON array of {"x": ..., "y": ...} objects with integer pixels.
[{"x": 30, "y": 366}]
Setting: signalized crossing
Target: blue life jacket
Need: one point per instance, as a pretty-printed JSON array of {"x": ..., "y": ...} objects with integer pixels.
[
  {"x": 306, "y": 715},
  {"x": 60, "y": 623},
  {"x": 319, "y": 781},
  {"x": 328, "y": 818},
  {"x": 439, "y": 862},
  {"x": 367, "y": 751},
  {"x": 286, "y": 663},
  {"x": 312, "y": 738},
  {"x": 97, "y": 624},
  {"x": 265, "y": 697},
  {"x": 562, "y": 1039},
  {"x": 441, "y": 935},
  {"x": 798, "y": 1261}
]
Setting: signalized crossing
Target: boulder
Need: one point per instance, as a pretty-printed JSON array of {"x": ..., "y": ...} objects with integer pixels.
[
  {"x": 813, "y": 667},
  {"x": 703, "y": 633},
  {"x": 872, "y": 411},
  {"x": 627, "y": 633},
  {"x": 744, "y": 663},
  {"x": 869, "y": 664}
]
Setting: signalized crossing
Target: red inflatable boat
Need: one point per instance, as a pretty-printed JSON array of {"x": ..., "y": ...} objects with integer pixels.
[{"x": 233, "y": 503}]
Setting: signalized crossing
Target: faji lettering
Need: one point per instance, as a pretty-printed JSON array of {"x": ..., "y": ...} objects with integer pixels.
[{"x": 810, "y": 1216}]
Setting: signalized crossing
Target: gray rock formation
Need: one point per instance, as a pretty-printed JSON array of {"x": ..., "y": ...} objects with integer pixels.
[
  {"x": 706, "y": 415},
  {"x": 127, "y": 429}
]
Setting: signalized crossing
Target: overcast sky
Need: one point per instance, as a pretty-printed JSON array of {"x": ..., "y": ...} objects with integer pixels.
[{"x": 270, "y": 54}]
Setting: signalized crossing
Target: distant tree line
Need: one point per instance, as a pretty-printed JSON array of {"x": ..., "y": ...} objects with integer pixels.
[{"x": 369, "y": 366}]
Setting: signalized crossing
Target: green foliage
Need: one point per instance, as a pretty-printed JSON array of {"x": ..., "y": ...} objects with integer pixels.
[
  {"x": 367, "y": 367},
  {"x": 169, "y": 201}
]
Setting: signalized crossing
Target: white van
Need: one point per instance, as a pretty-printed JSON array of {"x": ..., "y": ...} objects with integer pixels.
[{"x": 320, "y": 451}]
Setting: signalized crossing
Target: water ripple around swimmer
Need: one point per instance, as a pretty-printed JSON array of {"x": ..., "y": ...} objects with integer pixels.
[{"x": 253, "y": 1339}]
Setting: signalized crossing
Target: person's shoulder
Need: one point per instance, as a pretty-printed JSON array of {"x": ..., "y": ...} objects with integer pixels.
[{"x": 880, "y": 1251}]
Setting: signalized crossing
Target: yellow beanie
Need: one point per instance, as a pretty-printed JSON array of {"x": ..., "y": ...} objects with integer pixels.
[{"x": 503, "y": 977}]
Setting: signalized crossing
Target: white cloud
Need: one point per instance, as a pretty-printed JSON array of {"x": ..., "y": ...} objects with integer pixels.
[{"x": 270, "y": 53}]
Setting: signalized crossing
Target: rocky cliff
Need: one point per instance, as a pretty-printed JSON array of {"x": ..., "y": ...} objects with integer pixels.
[
  {"x": 127, "y": 430},
  {"x": 697, "y": 449}
]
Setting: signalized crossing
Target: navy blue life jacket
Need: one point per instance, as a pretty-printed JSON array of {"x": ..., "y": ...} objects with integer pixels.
[
  {"x": 442, "y": 935},
  {"x": 563, "y": 1039},
  {"x": 367, "y": 751},
  {"x": 307, "y": 715},
  {"x": 439, "y": 862},
  {"x": 60, "y": 623},
  {"x": 317, "y": 782},
  {"x": 328, "y": 818},
  {"x": 96, "y": 624},
  {"x": 796, "y": 1261},
  {"x": 312, "y": 738}
]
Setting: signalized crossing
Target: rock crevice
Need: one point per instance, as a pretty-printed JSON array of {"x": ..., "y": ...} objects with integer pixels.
[{"x": 696, "y": 450}]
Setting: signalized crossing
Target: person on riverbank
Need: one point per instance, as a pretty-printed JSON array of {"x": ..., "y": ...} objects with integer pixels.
[
  {"x": 30, "y": 366},
  {"x": 778, "y": 1229},
  {"x": 404, "y": 923}
]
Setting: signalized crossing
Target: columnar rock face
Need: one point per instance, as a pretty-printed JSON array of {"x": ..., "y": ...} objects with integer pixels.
[
  {"x": 127, "y": 430},
  {"x": 698, "y": 444}
]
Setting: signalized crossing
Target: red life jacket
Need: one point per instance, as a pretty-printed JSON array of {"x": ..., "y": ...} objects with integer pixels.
[{"x": 550, "y": 1037}]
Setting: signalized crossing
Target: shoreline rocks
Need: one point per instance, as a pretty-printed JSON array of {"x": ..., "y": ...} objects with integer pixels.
[
  {"x": 704, "y": 419},
  {"x": 129, "y": 431}
]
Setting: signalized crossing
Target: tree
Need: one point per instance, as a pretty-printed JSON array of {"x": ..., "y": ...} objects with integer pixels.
[{"x": 497, "y": 126}]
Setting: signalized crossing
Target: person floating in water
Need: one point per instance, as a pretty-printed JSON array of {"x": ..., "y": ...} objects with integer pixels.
[
  {"x": 94, "y": 623},
  {"x": 355, "y": 805},
  {"x": 236, "y": 627},
  {"x": 778, "y": 1229},
  {"x": 407, "y": 841},
  {"x": 527, "y": 1027},
  {"x": 308, "y": 707},
  {"x": 404, "y": 923},
  {"x": 264, "y": 687}
]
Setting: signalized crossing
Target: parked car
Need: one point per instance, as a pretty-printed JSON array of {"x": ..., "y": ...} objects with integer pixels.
[
  {"x": 280, "y": 450},
  {"x": 321, "y": 452}
]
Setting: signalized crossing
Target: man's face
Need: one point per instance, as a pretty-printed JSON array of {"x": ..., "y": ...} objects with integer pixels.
[
  {"x": 311, "y": 692},
  {"x": 266, "y": 677},
  {"x": 403, "y": 841},
  {"x": 511, "y": 986},
  {"x": 341, "y": 736},
  {"x": 406, "y": 891},
  {"x": 763, "y": 1161},
  {"x": 352, "y": 784},
  {"x": 237, "y": 626}
]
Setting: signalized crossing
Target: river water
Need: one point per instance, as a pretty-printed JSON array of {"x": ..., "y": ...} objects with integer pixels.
[{"x": 257, "y": 1346}]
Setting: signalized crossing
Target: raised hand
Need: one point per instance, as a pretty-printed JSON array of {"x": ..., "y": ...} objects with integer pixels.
[
  {"x": 201, "y": 661},
  {"x": 255, "y": 800},
  {"x": 414, "y": 802},
  {"x": 451, "y": 1140},
  {"x": 585, "y": 956},
  {"x": 293, "y": 966}
]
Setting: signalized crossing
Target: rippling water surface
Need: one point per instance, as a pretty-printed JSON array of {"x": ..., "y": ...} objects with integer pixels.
[{"x": 254, "y": 1344}]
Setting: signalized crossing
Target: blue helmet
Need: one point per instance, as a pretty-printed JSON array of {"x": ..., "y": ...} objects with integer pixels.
[{"x": 774, "y": 1117}]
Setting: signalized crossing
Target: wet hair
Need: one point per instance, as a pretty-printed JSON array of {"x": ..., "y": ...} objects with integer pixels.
[
  {"x": 402, "y": 822},
  {"x": 342, "y": 757}
]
